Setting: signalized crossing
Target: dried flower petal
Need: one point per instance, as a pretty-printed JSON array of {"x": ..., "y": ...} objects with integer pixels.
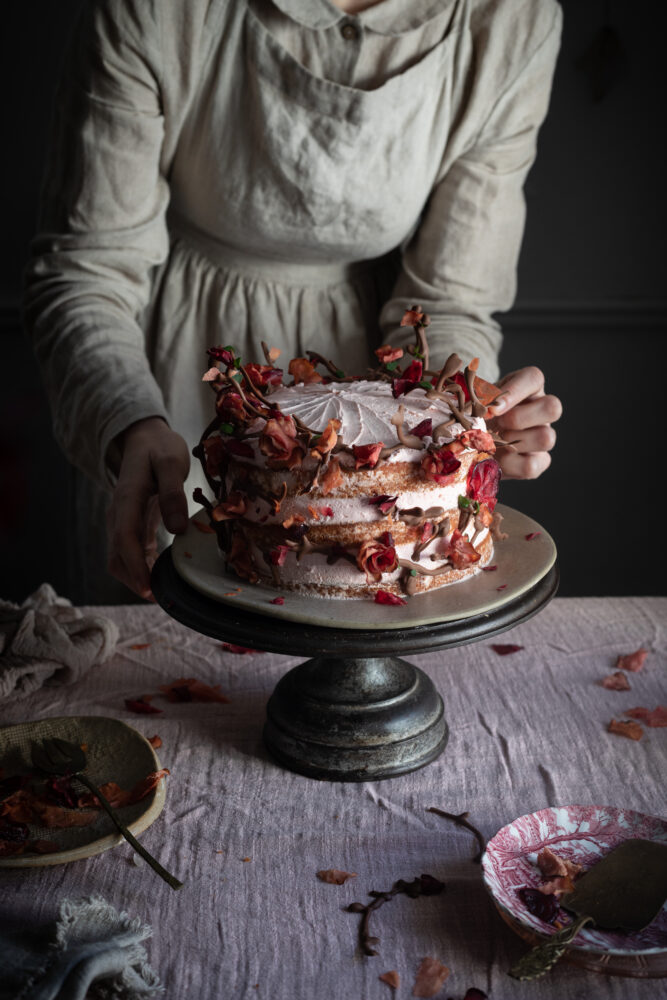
[
  {"x": 386, "y": 354},
  {"x": 489, "y": 569},
  {"x": 479, "y": 440},
  {"x": 551, "y": 863},
  {"x": 277, "y": 600},
  {"x": 141, "y": 645},
  {"x": 542, "y": 905},
  {"x": 632, "y": 730},
  {"x": 230, "y": 647},
  {"x": 655, "y": 719},
  {"x": 431, "y": 975},
  {"x": 504, "y": 649},
  {"x": 377, "y": 556},
  {"x": 483, "y": 481},
  {"x": 141, "y": 707},
  {"x": 533, "y": 534},
  {"x": 391, "y": 979},
  {"x": 155, "y": 742},
  {"x": 334, "y": 876},
  {"x": 303, "y": 371},
  {"x": 617, "y": 681},
  {"x": 423, "y": 429},
  {"x": 384, "y": 597},
  {"x": 472, "y": 993},
  {"x": 632, "y": 661},
  {"x": 367, "y": 454},
  {"x": 191, "y": 689}
]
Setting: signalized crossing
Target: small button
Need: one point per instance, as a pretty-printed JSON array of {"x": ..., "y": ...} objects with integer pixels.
[{"x": 349, "y": 32}]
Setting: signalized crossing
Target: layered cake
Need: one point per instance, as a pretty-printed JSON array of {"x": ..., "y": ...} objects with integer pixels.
[{"x": 347, "y": 486}]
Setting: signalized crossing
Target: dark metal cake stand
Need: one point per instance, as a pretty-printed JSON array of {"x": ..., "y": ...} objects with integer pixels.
[{"x": 356, "y": 711}]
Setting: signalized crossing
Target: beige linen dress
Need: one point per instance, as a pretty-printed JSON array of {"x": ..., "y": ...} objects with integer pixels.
[{"x": 231, "y": 171}]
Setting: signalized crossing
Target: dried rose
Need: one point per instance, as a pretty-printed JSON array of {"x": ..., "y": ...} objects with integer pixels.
[
  {"x": 367, "y": 454},
  {"x": 375, "y": 558},
  {"x": 303, "y": 371},
  {"x": 215, "y": 455},
  {"x": 230, "y": 405},
  {"x": 386, "y": 354},
  {"x": 483, "y": 480},
  {"x": 423, "y": 429},
  {"x": 460, "y": 551},
  {"x": 415, "y": 317},
  {"x": 384, "y": 597},
  {"x": 616, "y": 682},
  {"x": 225, "y": 354},
  {"x": 241, "y": 561},
  {"x": 440, "y": 466},
  {"x": 234, "y": 506},
  {"x": 261, "y": 375},
  {"x": 279, "y": 442},
  {"x": 334, "y": 876},
  {"x": 326, "y": 442},
  {"x": 654, "y": 719},
  {"x": 632, "y": 661},
  {"x": 480, "y": 440},
  {"x": 542, "y": 905},
  {"x": 431, "y": 975},
  {"x": 409, "y": 379}
]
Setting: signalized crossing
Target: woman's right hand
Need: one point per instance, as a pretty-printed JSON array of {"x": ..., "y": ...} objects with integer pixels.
[{"x": 153, "y": 467}]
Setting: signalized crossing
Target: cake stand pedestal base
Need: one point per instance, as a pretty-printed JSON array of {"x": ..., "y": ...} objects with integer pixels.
[{"x": 355, "y": 719}]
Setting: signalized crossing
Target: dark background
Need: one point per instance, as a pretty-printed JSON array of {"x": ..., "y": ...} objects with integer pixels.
[{"x": 591, "y": 309}]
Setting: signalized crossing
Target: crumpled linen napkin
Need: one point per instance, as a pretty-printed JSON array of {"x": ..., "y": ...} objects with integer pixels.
[
  {"x": 46, "y": 641},
  {"x": 92, "y": 952}
]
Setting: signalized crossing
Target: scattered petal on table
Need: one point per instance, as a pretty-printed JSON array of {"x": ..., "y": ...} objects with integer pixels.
[
  {"x": 431, "y": 974},
  {"x": 504, "y": 648},
  {"x": 118, "y": 797},
  {"x": 617, "y": 681},
  {"x": 334, "y": 876},
  {"x": 155, "y": 742},
  {"x": 632, "y": 661},
  {"x": 230, "y": 647},
  {"x": 474, "y": 994},
  {"x": 141, "y": 645},
  {"x": 632, "y": 730},
  {"x": 191, "y": 689},
  {"x": 141, "y": 706},
  {"x": 391, "y": 979},
  {"x": 655, "y": 718}
]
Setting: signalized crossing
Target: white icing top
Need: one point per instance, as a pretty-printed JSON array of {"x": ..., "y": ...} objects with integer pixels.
[{"x": 365, "y": 410}]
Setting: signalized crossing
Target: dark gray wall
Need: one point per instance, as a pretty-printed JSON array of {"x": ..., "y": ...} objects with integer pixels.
[{"x": 591, "y": 309}]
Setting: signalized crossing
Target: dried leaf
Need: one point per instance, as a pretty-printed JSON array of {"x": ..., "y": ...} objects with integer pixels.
[
  {"x": 632, "y": 661},
  {"x": 431, "y": 974},
  {"x": 504, "y": 649},
  {"x": 391, "y": 979},
  {"x": 654, "y": 719},
  {"x": 616, "y": 682},
  {"x": 632, "y": 730},
  {"x": 191, "y": 689},
  {"x": 334, "y": 876}
]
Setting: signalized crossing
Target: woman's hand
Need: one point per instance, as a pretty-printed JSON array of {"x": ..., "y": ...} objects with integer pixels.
[
  {"x": 524, "y": 416},
  {"x": 153, "y": 466}
]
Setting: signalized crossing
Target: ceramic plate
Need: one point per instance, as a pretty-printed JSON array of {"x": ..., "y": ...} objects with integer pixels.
[
  {"x": 583, "y": 834},
  {"x": 115, "y": 752},
  {"x": 522, "y": 560}
]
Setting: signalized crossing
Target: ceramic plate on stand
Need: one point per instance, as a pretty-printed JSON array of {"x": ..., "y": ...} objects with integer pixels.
[
  {"x": 583, "y": 834},
  {"x": 114, "y": 752}
]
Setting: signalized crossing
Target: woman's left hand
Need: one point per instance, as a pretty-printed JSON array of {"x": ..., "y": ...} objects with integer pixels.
[{"x": 523, "y": 414}]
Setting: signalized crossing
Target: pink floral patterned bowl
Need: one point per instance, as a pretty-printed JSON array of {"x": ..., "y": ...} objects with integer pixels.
[{"x": 583, "y": 834}]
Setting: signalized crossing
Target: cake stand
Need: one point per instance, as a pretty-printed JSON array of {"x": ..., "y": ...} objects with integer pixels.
[{"x": 356, "y": 711}]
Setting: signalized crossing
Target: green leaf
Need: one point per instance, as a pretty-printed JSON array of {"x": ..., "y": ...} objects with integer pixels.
[
  {"x": 237, "y": 376},
  {"x": 340, "y": 373},
  {"x": 227, "y": 428},
  {"x": 392, "y": 366},
  {"x": 425, "y": 385},
  {"x": 413, "y": 572}
]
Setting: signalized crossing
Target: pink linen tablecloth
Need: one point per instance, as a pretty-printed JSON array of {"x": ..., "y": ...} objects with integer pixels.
[{"x": 527, "y": 730}]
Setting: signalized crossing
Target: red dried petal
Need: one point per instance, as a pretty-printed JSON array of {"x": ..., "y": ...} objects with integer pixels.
[
  {"x": 632, "y": 661},
  {"x": 657, "y": 718},
  {"x": 277, "y": 600},
  {"x": 326, "y": 512},
  {"x": 141, "y": 707},
  {"x": 489, "y": 569},
  {"x": 472, "y": 993},
  {"x": 334, "y": 876},
  {"x": 440, "y": 466},
  {"x": 503, "y": 586},
  {"x": 503, "y": 649},
  {"x": 367, "y": 454},
  {"x": 141, "y": 645},
  {"x": 423, "y": 429},
  {"x": 384, "y": 597},
  {"x": 551, "y": 864},
  {"x": 632, "y": 730},
  {"x": 483, "y": 481},
  {"x": 231, "y": 647},
  {"x": 191, "y": 689},
  {"x": 533, "y": 534},
  {"x": 431, "y": 975},
  {"x": 155, "y": 742},
  {"x": 616, "y": 682},
  {"x": 391, "y": 979}
]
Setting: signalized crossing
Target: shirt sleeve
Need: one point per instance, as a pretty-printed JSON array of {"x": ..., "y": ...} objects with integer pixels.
[
  {"x": 102, "y": 229},
  {"x": 460, "y": 266}
]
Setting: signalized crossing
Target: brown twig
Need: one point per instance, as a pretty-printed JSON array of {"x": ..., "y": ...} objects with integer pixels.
[
  {"x": 462, "y": 820},
  {"x": 426, "y": 885}
]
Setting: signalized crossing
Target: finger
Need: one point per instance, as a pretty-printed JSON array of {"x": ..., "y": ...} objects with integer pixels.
[
  {"x": 127, "y": 519},
  {"x": 542, "y": 438},
  {"x": 530, "y": 413},
  {"x": 529, "y": 465},
  {"x": 517, "y": 386},
  {"x": 170, "y": 476}
]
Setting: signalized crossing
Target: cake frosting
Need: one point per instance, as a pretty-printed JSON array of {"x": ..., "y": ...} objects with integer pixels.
[{"x": 340, "y": 486}]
